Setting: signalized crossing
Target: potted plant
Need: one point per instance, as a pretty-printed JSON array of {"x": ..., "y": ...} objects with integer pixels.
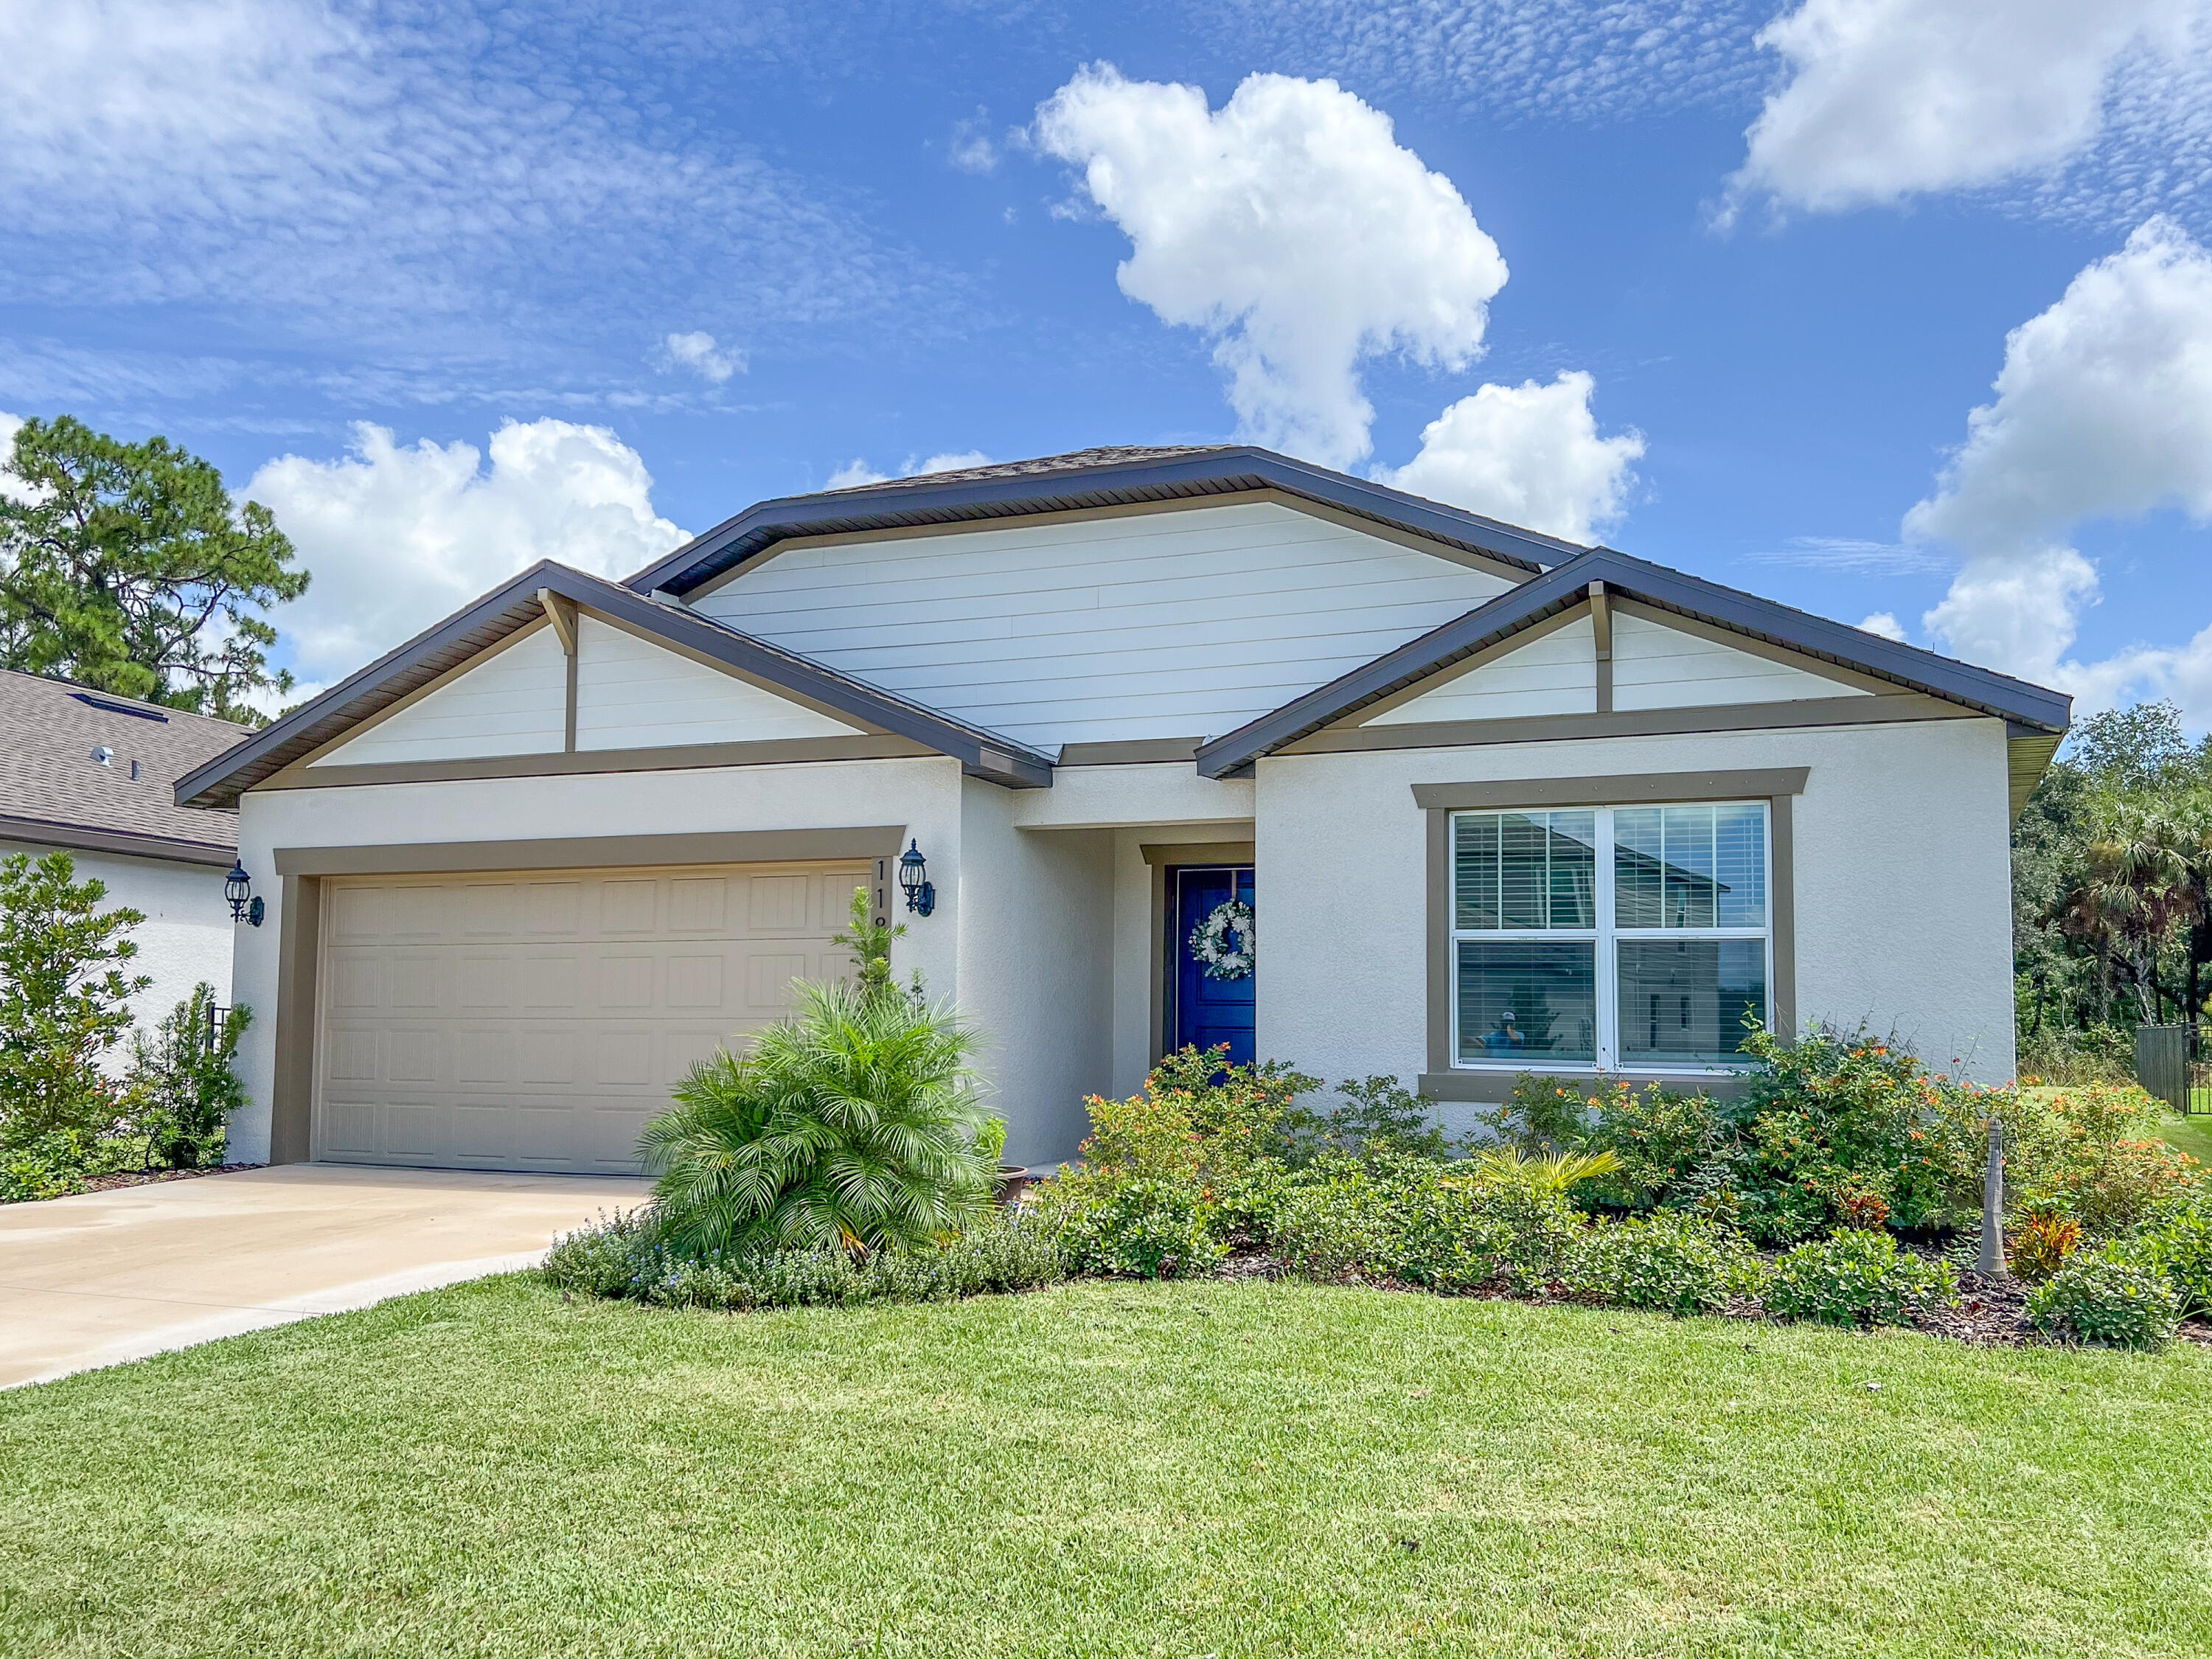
[{"x": 991, "y": 1141}]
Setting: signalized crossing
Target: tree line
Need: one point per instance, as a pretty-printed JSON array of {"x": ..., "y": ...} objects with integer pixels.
[{"x": 2112, "y": 887}]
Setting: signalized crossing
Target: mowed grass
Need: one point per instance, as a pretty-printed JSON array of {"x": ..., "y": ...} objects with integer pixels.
[{"x": 1103, "y": 1469}]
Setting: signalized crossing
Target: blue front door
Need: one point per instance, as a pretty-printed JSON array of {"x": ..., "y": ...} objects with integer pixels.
[{"x": 1208, "y": 1009}]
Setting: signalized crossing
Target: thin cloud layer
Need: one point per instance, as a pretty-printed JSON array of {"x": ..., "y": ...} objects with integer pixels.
[
  {"x": 2103, "y": 410},
  {"x": 1528, "y": 454},
  {"x": 1888, "y": 99},
  {"x": 400, "y": 536},
  {"x": 1293, "y": 229},
  {"x": 418, "y": 186}
]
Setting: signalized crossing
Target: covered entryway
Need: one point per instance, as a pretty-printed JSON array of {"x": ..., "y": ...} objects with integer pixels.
[{"x": 534, "y": 1019}]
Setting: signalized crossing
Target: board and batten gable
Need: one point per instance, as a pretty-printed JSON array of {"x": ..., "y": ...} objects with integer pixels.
[
  {"x": 1173, "y": 622},
  {"x": 513, "y": 701},
  {"x": 633, "y": 694}
]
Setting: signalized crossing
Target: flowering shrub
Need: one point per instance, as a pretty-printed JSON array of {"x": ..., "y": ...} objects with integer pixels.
[
  {"x": 2101, "y": 1296},
  {"x": 2093, "y": 1154},
  {"x": 1857, "y": 1277}
]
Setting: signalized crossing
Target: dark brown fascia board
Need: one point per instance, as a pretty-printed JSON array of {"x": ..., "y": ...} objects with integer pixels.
[
  {"x": 1211, "y": 473},
  {"x": 2015, "y": 701},
  {"x": 514, "y": 605},
  {"x": 130, "y": 844}
]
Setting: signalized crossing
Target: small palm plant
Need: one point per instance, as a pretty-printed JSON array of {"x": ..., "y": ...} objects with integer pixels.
[
  {"x": 851, "y": 1122},
  {"x": 1546, "y": 1172}
]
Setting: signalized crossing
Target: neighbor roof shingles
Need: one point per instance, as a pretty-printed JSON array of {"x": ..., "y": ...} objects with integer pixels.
[{"x": 48, "y": 775}]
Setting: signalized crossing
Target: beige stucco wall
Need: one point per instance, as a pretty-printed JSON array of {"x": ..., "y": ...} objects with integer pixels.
[{"x": 1901, "y": 870}]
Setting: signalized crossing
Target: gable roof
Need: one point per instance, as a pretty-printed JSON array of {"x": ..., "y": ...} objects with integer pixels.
[
  {"x": 2038, "y": 713},
  {"x": 53, "y": 792},
  {"x": 514, "y": 605},
  {"x": 1085, "y": 478}
]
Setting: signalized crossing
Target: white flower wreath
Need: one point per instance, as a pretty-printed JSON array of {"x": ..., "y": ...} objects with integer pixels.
[{"x": 1209, "y": 940}]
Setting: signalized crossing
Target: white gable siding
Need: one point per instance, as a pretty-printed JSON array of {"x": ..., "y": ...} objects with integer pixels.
[
  {"x": 631, "y": 694},
  {"x": 1554, "y": 675},
  {"x": 1655, "y": 666},
  {"x": 514, "y": 702},
  {"x": 1169, "y": 624}
]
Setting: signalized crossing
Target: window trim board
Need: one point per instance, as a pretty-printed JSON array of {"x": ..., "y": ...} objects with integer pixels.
[{"x": 1777, "y": 787}]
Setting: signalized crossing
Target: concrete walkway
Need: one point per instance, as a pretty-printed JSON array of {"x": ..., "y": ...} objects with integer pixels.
[{"x": 106, "y": 1277}]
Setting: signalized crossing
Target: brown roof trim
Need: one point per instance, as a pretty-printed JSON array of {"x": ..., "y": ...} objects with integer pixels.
[
  {"x": 84, "y": 838},
  {"x": 1088, "y": 478},
  {"x": 514, "y": 605}
]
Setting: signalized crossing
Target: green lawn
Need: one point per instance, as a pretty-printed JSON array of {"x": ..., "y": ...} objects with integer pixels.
[
  {"x": 2192, "y": 1135},
  {"x": 1102, "y": 1469}
]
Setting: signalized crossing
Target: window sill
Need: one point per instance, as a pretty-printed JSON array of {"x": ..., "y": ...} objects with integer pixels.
[{"x": 1488, "y": 1085}]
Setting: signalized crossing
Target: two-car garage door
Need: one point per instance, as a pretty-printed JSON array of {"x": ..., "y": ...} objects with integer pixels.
[{"x": 535, "y": 1020}]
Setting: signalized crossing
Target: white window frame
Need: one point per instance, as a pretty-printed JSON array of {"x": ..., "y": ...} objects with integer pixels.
[{"x": 1605, "y": 940}]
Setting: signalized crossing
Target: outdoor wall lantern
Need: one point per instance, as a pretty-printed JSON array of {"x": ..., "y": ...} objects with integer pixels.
[
  {"x": 914, "y": 878},
  {"x": 238, "y": 888}
]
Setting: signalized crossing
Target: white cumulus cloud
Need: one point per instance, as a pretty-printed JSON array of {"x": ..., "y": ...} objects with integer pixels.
[
  {"x": 857, "y": 472},
  {"x": 398, "y": 535},
  {"x": 1889, "y": 98},
  {"x": 2103, "y": 410},
  {"x": 1528, "y": 454},
  {"x": 699, "y": 353},
  {"x": 1290, "y": 225}
]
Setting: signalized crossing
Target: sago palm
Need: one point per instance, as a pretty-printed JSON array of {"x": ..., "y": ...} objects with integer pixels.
[{"x": 851, "y": 1122}]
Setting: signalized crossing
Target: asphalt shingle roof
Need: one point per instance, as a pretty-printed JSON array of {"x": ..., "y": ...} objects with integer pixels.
[{"x": 48, "y": 731}]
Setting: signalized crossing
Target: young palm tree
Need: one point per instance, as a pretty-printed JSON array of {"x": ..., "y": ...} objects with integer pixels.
[{"x": 851, "y": 1122}]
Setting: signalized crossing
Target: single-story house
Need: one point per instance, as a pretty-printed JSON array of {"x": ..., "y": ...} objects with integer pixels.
[
  {"x": 93, "y": 774},
  {"x": 1193, "y": 744}
]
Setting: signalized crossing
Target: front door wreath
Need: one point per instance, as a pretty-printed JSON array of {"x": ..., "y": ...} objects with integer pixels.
[{"x": 1210, "y": 941}]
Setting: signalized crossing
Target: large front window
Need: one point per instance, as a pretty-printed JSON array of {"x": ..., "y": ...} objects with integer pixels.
[{"x": 1622, "y": 937}]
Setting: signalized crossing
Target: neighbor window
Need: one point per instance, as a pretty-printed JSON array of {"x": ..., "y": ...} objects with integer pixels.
[{"x": 1623, "y": 937}]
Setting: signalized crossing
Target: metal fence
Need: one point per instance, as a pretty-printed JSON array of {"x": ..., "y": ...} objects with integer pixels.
[
  {"x": 218, "y": 1019},
  {"x": 2174, "y": 1063}
]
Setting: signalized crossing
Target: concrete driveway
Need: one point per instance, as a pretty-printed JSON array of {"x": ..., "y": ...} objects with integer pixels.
[{"x": 106, "y": 1277}]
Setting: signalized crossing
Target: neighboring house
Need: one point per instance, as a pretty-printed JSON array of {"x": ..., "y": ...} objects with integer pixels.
[
  {"x": 1499, "y": 804},
  {"x": 94, "y": 775}
]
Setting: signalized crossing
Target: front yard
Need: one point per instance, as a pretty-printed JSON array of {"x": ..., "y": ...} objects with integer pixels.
[{"x": 1199, "y": 1467}]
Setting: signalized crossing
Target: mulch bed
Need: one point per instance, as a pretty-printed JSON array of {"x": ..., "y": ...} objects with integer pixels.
[{"x": 108, "y": 1183}]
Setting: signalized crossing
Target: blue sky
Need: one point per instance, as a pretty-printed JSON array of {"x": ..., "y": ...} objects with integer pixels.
[{"x": 681, "y": 258}]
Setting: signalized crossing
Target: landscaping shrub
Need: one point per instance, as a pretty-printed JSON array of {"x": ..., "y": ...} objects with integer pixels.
[
  {"x": 63, "y": 1004},
  {"x": 851, "y": 1122},
  {"x": 2094, "y": 1154},
  {"x": 1379, "y": 1114},
  {"x": 1144, "y": 1228},
  {"x": 1677, "y": 1263},
  {"x": 1425, "y": 1221},
  {"x": 1857, "y": 1277},
  {"x": 1661, "y": 1138},
  {"x": 2040, "y": 1244},
  {"x": 1008, "y": 1249},
  {"x": 2100, "y": 1297},
  {"x": 2178, "y": 1248},
  {"x": 181, "y": 1090}
]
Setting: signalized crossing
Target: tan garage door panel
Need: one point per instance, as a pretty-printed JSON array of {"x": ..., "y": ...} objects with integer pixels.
[{"x": 534, "y": 1021}]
